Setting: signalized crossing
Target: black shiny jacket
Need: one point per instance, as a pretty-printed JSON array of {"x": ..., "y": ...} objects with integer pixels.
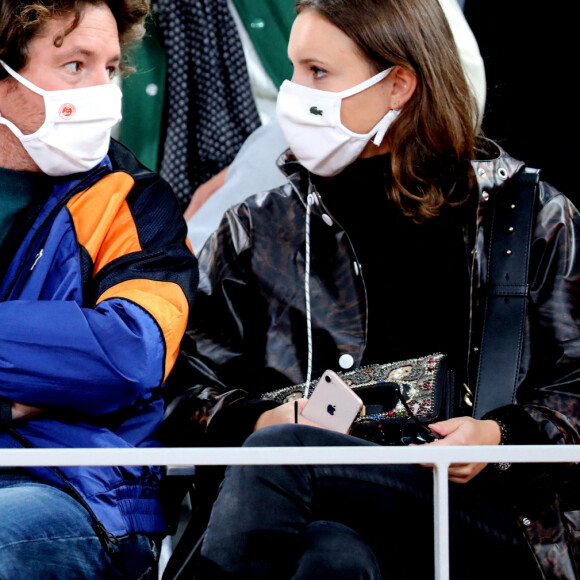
[{"x": 248, "y": 331}]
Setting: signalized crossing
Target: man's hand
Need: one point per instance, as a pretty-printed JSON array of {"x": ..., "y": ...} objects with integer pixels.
[
  {"x": 204, "y": 192},
  {"x": 284, "y": 414},
  {"x": 466, "y": 431},
  {"x": 20, "y": 411}
]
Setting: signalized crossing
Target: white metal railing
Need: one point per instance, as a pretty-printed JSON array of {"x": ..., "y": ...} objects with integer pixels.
[{"x": 440, "y": 458}]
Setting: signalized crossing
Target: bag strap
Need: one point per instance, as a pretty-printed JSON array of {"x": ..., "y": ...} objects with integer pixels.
[{"x": 506, "y": 301}]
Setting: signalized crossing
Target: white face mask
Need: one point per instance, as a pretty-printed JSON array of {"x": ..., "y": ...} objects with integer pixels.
[
  {"x": 76, "y": 131},
  {"x": 310, "y": 121}
]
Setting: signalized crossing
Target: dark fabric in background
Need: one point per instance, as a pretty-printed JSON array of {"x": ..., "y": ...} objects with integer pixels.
[{"x": 209, "y": 105}]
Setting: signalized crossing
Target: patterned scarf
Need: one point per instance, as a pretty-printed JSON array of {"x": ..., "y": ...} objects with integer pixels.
[{"x": 209, "y": 107}]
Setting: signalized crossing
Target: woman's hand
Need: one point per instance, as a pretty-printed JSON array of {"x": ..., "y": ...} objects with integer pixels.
[
  {"x": 466, "y": 431},
  {"x": 20, "y": 411},
  {"x": 284, "y": 414}
]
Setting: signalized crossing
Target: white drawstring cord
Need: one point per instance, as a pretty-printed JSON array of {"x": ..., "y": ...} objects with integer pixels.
[{"x": 311, "y": 199}]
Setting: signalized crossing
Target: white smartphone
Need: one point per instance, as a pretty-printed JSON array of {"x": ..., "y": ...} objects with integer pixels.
[{"x": 333, "y": 403}]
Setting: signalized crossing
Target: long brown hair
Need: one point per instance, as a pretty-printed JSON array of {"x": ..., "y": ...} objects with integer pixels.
[
  {"x": 22, "y": 20},
  {"x": 432, "y": 140}
]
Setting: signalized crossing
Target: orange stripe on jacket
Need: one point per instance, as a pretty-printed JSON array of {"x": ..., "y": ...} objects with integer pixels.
[
  {"x": 165, "y": 301},
  {"x": 103, "y": 222}
]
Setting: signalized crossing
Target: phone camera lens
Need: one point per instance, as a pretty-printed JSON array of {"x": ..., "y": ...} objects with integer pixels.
[{"x": 327, "y": 378}]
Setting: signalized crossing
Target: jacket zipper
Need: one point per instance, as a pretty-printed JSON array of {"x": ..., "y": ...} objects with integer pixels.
[
  {"x": 57, "y": 207},
  {"x": 38, "y": 256}
]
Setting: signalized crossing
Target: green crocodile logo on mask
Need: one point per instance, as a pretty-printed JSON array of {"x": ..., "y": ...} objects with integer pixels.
[{"x": 315, "y": 111}]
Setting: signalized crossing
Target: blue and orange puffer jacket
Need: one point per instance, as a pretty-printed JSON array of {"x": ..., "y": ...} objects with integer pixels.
[{"x": 92, "y": 310}]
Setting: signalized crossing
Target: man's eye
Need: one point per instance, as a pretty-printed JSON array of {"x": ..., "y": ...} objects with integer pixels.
[
  {"x": 73, "y": 67},
  {"x": 112, "y": 70}
]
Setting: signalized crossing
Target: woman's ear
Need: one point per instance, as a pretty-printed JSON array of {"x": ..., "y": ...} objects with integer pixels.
[{"x": 404, "y": 83}]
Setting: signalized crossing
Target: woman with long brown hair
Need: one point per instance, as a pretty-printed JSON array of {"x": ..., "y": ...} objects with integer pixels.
[{"x": 376, "y": 251}]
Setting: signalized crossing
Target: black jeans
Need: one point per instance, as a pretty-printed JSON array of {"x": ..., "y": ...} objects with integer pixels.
[{"x": 353, "y": 521}]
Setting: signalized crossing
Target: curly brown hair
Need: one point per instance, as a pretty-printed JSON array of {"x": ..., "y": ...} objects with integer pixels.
[
  {"x": 22, "y": 20},
  {"x": 432, "y": 140}
]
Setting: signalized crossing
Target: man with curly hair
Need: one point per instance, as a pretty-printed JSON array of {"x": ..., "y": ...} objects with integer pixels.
[{"x": 96, "y": 281}]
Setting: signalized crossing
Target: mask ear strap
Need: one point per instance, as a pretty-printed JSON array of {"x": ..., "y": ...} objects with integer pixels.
[
  {"x": 365, "y": 84},
  {"x": 12, "y": 127},
  {"x": 384, "y": 125},
  {"x": 22, "y": 80}
]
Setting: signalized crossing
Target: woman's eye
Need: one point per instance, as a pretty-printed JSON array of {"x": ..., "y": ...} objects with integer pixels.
[
  {"x": 112, "y": 70},
  {"x": 73, "y": 67},
  {"x": 317, "y": 73}
]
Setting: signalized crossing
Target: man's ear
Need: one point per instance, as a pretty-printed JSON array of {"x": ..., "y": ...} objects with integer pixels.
[{"x": 404, "y": 83}]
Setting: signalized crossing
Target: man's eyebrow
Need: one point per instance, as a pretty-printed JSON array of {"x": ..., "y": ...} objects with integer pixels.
[{"x": 80, "y": 51}]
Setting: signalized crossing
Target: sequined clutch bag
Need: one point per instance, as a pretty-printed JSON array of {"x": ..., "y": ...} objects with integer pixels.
[{"x": 425, "y": 384}]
